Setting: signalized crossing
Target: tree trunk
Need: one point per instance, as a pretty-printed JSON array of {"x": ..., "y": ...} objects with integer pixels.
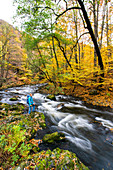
[
  {"x": 82, "y": 53},
  {"x": 107, "y": 35},
  {"x": 95, "y": 29},
  {"x": 92, "y": 36},
  {"x": 55, "y": 52},
  {"x": 76, "y": 32},
  {"x": 102, "y": 26},
  {"x": 79, "y": 53}
]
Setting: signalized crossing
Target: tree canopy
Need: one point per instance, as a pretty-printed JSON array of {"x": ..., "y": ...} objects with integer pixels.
[{"x": 64, "y": 38}]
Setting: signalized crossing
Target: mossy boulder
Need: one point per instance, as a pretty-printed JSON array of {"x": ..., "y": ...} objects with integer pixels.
[
  {"x": 51, "y": 97},
  {"x": 51, "y": 138},
  {"x": 31, "y": 123},
  {"x": 56, "y": 159},
  {"x": 1, "y": 107},
  {"x": 13, "y": 99}
]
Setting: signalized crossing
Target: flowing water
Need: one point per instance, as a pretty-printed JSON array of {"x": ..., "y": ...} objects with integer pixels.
[{"x": 88, "y": 130}]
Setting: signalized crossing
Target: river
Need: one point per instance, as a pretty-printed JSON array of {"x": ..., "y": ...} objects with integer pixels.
[{"x": 88, "y": 130}]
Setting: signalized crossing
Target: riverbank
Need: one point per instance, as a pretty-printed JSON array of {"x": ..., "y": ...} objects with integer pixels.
[
  {"x": 21, "y": 136},
  {"x": 102, "y": 97}
]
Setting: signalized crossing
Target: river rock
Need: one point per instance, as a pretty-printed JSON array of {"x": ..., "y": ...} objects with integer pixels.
[
  {"x": 13, "y": 99},
  {"x": 51, "y": 97},
  {"x": 51, "y": 138}
]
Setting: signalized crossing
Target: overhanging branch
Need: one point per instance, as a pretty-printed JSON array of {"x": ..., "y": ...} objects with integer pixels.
[
  {"x": 76, "y": 44},
  {"x": 68, "y": 9},
  {"x": 50, "y": 9}
]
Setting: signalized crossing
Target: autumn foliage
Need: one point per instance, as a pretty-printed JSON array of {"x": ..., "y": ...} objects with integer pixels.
[{"x": 59, "y": 46}]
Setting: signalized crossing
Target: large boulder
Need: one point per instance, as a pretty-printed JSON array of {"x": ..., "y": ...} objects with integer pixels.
[{"x": 51, "y": 138}]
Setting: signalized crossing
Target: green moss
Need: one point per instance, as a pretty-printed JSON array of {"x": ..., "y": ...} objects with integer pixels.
[
  {"x": 41, "y": 120},
  {"x": 56, "y": 159},
  {"x": 51, "y": 97},
  {"x": 13, "y": 99},
  {"x": 51, "y": 138},
  {"x": 42, "y": 116}
]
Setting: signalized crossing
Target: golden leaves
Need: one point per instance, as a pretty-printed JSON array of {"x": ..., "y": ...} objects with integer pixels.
[{"x": 35, "y": 141}]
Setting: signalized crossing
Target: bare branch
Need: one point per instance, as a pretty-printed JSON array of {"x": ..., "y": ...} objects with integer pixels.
[
  {"x": 76, "y": 44},
  {"x": 66, "y": 4},
  {"x": 62, "y": 49},
  {"x": 80, "y": 37},
  {"x": 50, "y": 9},
  {"x": 58, "y": 2},
  {"x": 83, "y": 20},
  {"x": 66, "y": 11}
]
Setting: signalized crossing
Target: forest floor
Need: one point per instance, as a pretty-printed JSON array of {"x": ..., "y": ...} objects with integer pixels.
[{"x": 102, "y": 97}]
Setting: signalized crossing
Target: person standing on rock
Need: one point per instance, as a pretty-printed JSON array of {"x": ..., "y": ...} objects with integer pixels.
[{"x": 31, "y": 103}]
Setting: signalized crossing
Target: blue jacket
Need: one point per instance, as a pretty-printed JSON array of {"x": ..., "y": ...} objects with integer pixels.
[{"x": 30, "y": 100}]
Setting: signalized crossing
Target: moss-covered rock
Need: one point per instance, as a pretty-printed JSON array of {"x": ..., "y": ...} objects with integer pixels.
[
  {"x": 51, "y": 138},
  {"x": 14, "y": 107},
  {"x": 56, "y": 159},
  {"x": 13, "y": 99},
  {"x": 51, "y": 97}
]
